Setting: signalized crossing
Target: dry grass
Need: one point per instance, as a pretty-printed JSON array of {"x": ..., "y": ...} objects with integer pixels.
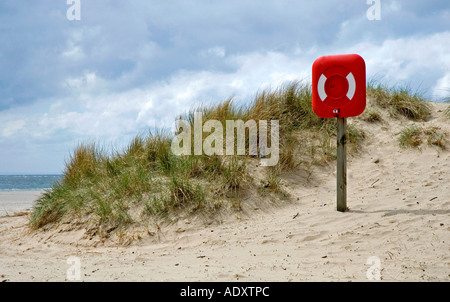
[
  {"x": 436, "y": 137},
  {"x": 410, "y": 136},
  {"x": 372, "y": 115},
  {"x": 272, "y": 182},
  {"x": 399, "y": 101},
  {"x": 15, "y": 214},
  {"x": 414, "y": 136}
]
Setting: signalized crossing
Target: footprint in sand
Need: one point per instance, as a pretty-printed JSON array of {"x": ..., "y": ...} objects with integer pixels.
[{"x": 315, "y": 237}]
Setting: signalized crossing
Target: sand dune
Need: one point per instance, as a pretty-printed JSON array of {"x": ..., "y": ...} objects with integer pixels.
[{"x": 399, "y": 202}]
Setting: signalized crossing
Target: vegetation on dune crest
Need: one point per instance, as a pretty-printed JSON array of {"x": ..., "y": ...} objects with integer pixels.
[
  {"x": 103, "y": 190},
  {"x": 399, "y": 101}
]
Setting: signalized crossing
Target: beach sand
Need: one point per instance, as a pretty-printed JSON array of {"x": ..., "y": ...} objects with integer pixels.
[
  {"x": 398, "y": 221},
  {"x": 17, "y": 201}
]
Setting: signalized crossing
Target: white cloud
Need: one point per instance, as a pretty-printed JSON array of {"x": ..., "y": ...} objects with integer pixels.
[
  {"x": 442, "y": 88},
  {"x": 87, "y": 81},
  {"x": 414, "y": 61},
  {"x": 217, "y": 51},
  {"x": 73, "y": 53},
  {"x": 13, "y": 127}
]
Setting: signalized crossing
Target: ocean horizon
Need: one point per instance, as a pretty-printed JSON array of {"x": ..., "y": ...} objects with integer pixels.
[{"x": 28, "y": 182}]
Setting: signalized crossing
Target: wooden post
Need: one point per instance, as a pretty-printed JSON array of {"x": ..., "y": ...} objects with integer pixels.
[{"x": 341, "y": 175}]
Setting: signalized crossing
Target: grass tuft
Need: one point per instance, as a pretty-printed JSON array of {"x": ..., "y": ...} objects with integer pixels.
[
  {"x": 410, "y": 136},
  {"x": 272, "y": 182},
  {"x": 235, "y": 174},
  {"x": 414, "y": 136},
  {"x": 399, "y": 101},
  {"x": 436, "y": 137},
  {"x": 183, "y": 194},
  {"x": 372, "y": 115},
  {"x": 82, "y": 165}
]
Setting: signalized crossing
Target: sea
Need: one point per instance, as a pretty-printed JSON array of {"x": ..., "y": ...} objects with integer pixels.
[{"x": 27, "y": 182}]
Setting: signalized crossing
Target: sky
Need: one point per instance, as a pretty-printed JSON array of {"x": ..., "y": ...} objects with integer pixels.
[{"x": 128, "y": 66}]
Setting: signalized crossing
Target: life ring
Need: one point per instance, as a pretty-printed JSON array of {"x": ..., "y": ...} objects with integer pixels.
[{"x": 336, "y": 84}]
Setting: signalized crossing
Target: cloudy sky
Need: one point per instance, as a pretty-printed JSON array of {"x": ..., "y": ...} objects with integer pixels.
[{"x": 127, "y": 66}]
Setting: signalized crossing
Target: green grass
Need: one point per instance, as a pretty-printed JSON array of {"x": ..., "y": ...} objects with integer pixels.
[
  {"x": 272, "y": 181},
  {"x": 112, "y": 189},
  {"x": 399, "y": 101},
  {"x": 235, "y": 174},
  {"x": 413, "y": 136},
  {"x": 436, "y": 137},
  {"x": 410, "y": 136},
  {"x": 372, "y": 115}
]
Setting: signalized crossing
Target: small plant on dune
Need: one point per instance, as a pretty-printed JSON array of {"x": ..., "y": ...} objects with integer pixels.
[
  {"x": 414, "y": 136},
  {"x": 183, "y": 194},
  {"x": 410, "y": 137},
  {"x": 272, "y": 182},
  {"x": 372, "y": 115},
  {"x": 436, "y": 137},
  {"x": 235, "y": 174}
]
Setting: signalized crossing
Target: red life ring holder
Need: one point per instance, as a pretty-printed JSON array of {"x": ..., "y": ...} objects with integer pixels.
[{"x": 339, "y": 86}]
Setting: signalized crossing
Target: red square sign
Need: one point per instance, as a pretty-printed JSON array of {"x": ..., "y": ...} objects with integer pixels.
[{"x": 339, "y": 86}]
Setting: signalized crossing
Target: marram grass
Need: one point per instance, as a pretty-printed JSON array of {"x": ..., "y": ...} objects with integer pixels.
[
  {"x": 414, "y": 136},
  {"x": 399, "y": 101},
  {"x": 104, "y": 190}
]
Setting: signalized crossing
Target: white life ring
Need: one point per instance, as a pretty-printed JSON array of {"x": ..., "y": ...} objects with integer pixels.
[{"x": 350, "y": 92}]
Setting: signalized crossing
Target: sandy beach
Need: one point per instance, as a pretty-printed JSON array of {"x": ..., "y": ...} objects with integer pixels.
[
  {"x": 398, "y": 225},
  {"x": 17, "y": 201}
]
